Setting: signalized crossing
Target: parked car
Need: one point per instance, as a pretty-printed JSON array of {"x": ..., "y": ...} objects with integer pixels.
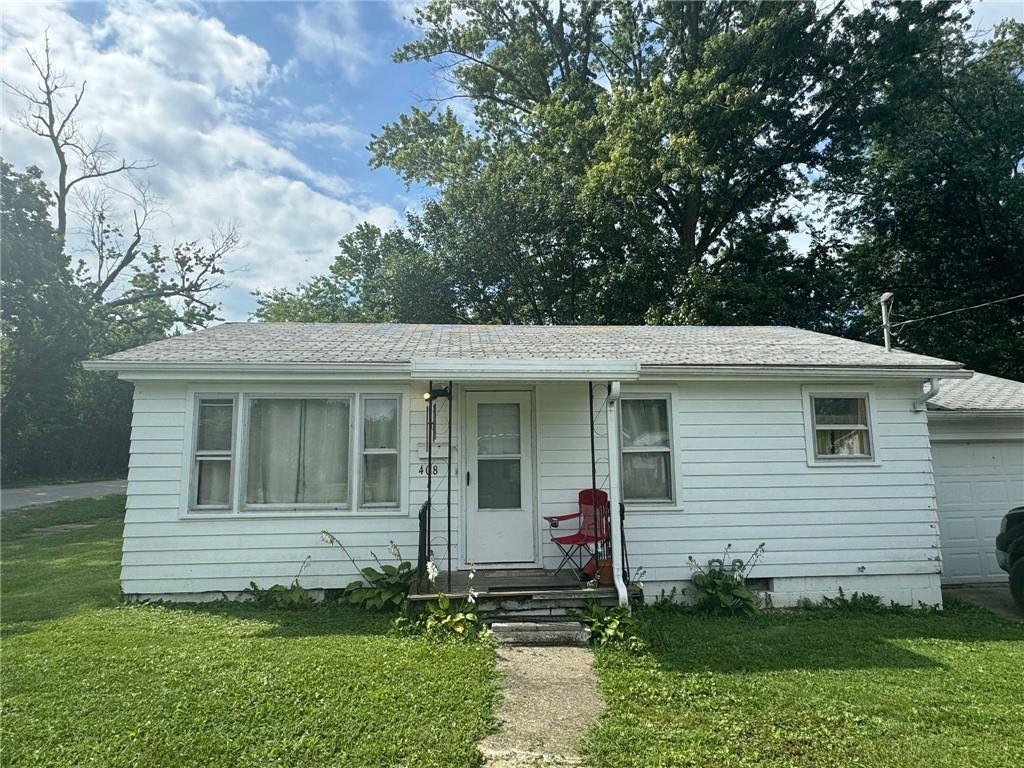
[{"x": 1010, "y": 551}]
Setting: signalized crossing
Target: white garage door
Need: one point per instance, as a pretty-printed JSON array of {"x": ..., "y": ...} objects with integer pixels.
[{"x": 976, "y": 482}]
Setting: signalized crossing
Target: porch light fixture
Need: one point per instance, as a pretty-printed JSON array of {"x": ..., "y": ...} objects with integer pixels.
[{"x": 436, "y": 394}]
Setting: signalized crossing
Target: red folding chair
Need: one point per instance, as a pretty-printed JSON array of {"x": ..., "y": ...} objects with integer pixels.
[{"x": 592, "y": 531}]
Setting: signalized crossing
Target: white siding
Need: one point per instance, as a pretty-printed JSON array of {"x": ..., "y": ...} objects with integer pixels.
[
  {"x": 167, "y": 553},
  {"x": 741, "y": 477}
]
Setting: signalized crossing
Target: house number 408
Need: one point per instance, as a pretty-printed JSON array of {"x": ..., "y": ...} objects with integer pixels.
[{"x": 433, "y": 469}]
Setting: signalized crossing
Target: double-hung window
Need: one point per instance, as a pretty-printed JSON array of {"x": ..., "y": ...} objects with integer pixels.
[
  {"x": 298, "y": 452},
  {"x": 646, "y": 449},
  {"x": 380, "y": 452},
  {"x": 841, "y": 427},
  {"x": 213, "y": 455}
]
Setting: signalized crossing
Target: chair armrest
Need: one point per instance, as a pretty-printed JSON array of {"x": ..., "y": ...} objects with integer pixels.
[{"x": 554, "y": 520}]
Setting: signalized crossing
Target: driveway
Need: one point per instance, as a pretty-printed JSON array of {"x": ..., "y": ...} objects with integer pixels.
[
  {"x": 995, "y": 597},
  {"x": 14, "y": 498}
]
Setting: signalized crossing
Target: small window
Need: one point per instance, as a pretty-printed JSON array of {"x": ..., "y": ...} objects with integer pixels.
[
  {"x": 841, "y": 427},
  {"x": 646, "y": 450},
  {"x": 298, "y": 451},
  {"x": 213, "y": 455},
  {"x": 380, "y": 451}
]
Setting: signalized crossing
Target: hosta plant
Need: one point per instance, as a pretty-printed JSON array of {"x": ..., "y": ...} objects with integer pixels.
[
  {"x": 721, "y": 588},
  {"x": 610, "y": 626},
  {"x": 445, "y": 619},
  {"x": 383, "y": 588}
]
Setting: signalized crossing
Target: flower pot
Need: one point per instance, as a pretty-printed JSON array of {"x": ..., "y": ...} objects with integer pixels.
[{"x": 604, "y": 572}]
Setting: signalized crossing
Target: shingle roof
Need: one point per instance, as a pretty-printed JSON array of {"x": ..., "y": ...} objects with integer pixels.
[
  {"x": 979, "y": 393},
  {"x": 339, "y": 343}
]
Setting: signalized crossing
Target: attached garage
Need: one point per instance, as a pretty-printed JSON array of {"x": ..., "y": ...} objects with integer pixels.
[{"x": 977, "y": 435}]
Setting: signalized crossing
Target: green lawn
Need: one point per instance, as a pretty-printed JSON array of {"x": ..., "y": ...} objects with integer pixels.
[
  {"x": 816, "y": 689},
  {"x": 87, "y": 682}
]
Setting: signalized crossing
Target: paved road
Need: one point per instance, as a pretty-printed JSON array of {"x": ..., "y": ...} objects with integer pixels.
[{"x": 13, "y": 498}]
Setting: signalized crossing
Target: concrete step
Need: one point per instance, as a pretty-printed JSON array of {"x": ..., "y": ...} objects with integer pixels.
[{"x": 540, "y": 633}]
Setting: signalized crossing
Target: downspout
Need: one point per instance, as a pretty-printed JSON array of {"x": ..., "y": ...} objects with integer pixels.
[
  {"x": 934, "y": 386},
  {"x": 614, "y": 490}
]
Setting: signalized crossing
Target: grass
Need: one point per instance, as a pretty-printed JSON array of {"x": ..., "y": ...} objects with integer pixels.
[
  {"x": 87, "y": 681},
  {"x": 815, "y": 688}
]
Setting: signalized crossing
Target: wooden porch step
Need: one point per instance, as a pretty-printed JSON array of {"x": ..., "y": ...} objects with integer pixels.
[
  {"x": 582, "y": 593},
  {"x": 530, "y": 604}
]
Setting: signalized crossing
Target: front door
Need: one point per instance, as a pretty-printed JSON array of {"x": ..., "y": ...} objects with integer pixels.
[{"x": 500, "y": 519}]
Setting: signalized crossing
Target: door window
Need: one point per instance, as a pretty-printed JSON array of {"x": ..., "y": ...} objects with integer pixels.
[{"x": 499, "y": 457}]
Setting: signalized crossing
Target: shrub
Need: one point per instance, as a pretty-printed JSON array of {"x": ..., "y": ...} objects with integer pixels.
[
  {"x": 721, "y": 589},
  {"x": 384, "y": 589},
  {"x": 445, "y": 620},
  {"x": 280, "y": 596},
  {"x": 857, "y": 602},
  {"x": 610, "y": 626}
]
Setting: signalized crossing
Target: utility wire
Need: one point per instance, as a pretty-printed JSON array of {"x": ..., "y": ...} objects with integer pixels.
[{"x": 901, "y": 323}]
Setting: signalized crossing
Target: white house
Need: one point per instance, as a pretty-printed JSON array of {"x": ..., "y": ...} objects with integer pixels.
[
  {"x": 977, "y": 434},
  {"x": 248, "y": 440}
]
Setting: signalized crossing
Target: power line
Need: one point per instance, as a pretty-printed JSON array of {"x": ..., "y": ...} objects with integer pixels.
[{"x": 901, "y": 323}]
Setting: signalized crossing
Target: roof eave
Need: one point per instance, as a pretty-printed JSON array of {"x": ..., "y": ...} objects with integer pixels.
[
  {"x": 803, "y": 372},
  {"x": 951, "y": 413},
  {"x": 135, "y": 370},
  {"x": 480, "y": 370}
]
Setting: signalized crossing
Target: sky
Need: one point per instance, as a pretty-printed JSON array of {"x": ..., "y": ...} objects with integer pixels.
[{"x": 255, "y": 114}]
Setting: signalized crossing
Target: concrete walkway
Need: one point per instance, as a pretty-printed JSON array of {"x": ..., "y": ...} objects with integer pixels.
[
  {"x": 15, "y": 498},
  {"x": 994, "y": 597},
  {"x": 551, "y": 699}
]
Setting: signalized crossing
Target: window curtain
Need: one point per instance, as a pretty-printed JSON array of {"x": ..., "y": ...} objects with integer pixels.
[
  {"x": 213, "y": 486},
  {"x": 298, "y": 452},
  {"x": 644, "y": 423}
]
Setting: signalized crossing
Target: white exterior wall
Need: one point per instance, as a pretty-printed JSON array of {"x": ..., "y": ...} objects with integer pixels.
[
  {"x": 741, "y": 477},
  {"x": 168, "y": 552}
]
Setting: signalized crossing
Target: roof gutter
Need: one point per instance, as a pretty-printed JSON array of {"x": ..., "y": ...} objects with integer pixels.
[
  {"x": 939, "y": 412},
  {"x": 528, "y": 369},
  {"x": 169, "y": 371},
  {"x": 800, "y": 372},
  {"x": 502, "y": 370}
]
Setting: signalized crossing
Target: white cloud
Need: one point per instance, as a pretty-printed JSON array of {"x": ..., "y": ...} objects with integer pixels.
[
  {"x": 169, "y": 84},
  {"x": 319, "y": 129},
  {"x": 188, "y": 46},
  {"x": 329, "y": 34}
]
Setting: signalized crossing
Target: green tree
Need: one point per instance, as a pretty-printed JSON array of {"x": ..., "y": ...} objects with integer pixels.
[
  {"x": 376, "y": 277},
  {"x": 649, "y": 162},
  {"x": 623, "y": 150},
  {"x": 43, "y": 329},
  {"x": 938, "y": 202}
]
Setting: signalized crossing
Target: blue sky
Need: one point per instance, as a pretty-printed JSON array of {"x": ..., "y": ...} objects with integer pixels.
[{"x": 255, "y": 113}]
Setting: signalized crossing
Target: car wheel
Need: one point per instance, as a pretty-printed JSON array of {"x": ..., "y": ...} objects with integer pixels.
[{"x": 1017, "y": 582}]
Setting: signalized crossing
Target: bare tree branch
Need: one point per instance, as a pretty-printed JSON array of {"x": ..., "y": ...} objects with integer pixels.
[
  {"x": 56, "y": 122},
  {"x": 125, "y": 266}
]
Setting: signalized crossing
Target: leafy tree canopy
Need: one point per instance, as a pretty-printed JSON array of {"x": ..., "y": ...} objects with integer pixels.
[
  {"x": 650, "y": 161},
  {"x": 937, "y": 201}
]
